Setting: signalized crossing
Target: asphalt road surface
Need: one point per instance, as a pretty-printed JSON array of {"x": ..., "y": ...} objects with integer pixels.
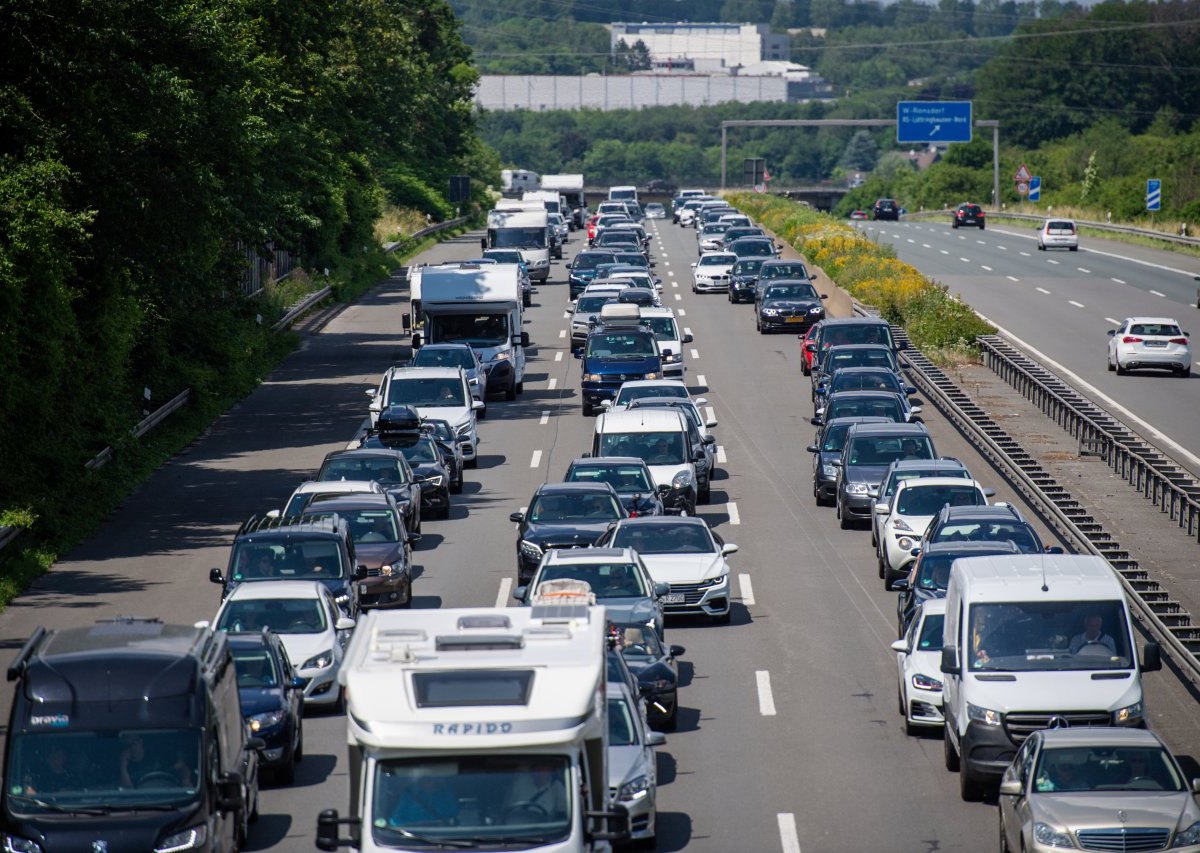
[{"x": 789, "y": 737}]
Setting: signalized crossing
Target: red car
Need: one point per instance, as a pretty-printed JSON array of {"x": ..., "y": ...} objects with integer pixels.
[
  {"x": 591, "y": 227},
  {"x": 809, "y": 353}
]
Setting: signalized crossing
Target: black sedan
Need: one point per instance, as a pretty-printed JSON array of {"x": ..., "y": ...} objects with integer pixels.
[
  {"x": 386, "y": 466},
  {"x": 742, "y": 279},
  {"x": 272, "y": 699},
  {"x": 563, "y": 515},
  {"x": 451, "y": 443},
  {"x": 656, "y": 670},
  {"x": 753, "y": 247},
  {"x": 793, "y": 305},
  {"x": 867, "y": 379},
  {"x": 850, "y": 355},
  {"x": 430, "y": 468},
  {"x": 931, "y": 573},
  {"x": 628, "y": 475}
]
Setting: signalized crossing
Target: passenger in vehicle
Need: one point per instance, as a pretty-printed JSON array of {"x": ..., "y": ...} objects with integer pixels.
[{"x": 52, "y": 776}]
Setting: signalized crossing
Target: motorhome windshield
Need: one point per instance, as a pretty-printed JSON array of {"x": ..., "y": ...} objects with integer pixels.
[
  {"x": 477, "y": 330},
  {"x": 79, "y": 772},
  {"x": 1048, "y": 635},
  {"x": 518, "y": 238},
  {"x": 468, "y": 800}
]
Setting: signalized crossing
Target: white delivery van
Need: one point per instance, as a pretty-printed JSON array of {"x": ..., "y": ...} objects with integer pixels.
[
  {"x": 622, "y": 194},
  {"x": 479, "y": 305},
  {"x": 477, "y": 728},
  {"x": 661, "y": 439},
  {"x": 1034, "y": 641},
  {"x": 570, "y": 187},
  {"x": 524, "y": 226}
]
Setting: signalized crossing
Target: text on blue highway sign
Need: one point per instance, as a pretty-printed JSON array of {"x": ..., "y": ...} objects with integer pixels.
[
  {"x": 1154, "y": 194},
  {"x": 933, "y": 121}
]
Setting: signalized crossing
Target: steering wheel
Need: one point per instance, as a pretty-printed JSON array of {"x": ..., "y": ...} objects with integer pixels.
[
  {"x": 529, "y": 807},
  {"x": 157, "y": 779}
]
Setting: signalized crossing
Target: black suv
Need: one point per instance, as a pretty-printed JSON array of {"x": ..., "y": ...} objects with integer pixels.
[
  {"x": 968, "y": 214},
  {"x": 272, "y": 700},
  {"x": 294, "y": 549},
  {"x": 885, "y": 208}
]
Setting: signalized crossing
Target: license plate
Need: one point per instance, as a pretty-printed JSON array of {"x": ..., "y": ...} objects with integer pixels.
[
  {"x": 795, "y": 320},
  {"x": 673, "y": 598},
  {"x": 1155, "y": 343}
]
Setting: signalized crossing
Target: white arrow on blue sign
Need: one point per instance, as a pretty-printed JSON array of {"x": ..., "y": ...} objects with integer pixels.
[
  {"x": 1154, "y": 194},
  {"x": 1035, "y": 188}
]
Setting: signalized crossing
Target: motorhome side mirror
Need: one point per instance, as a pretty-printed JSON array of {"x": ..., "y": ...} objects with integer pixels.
[
  {"x": 656, "y": 739},
  {"x": 406, "y": 322},
  {"x": 686, "y": 339},
  {"x": 1151, "y": 657},
  {"x": 215, "y": 576},
  {"x": 344, "y": 623},
  {"x": 516, "y": 517},
  {"x": 416, "y": 340},
  {"x": 328, "y": 822},
  {"x": 1010, "y": 788},
  {"x": 524, "y": 339},
  {"x": 615, "y": 824},
  {"x": 950, "y": 661},
  {"x": 230, "y": 796}
]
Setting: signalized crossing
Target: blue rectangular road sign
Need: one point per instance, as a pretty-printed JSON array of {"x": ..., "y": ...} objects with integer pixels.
[
  {"x": 1035, "y": 188},
  {"x": 1153, "y": 194},
  {"x": 933, "y": 121}
]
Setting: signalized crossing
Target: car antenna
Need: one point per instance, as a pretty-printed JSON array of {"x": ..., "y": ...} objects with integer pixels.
[{"x": 1042, "y": 558}]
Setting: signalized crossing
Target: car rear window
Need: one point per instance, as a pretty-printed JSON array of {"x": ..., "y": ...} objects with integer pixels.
[
  {"x": 1154, "y": 329},
  {"x": 1068, "y": 227}
]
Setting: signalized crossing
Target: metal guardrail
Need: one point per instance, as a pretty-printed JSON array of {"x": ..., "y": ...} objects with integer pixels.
[
  {"x": 1098, "y": 226},
  {"x": 425, "y": 232},
  {"x": 1165, "y": 618},
  {"x": 1174, "y": 490},
  {"x": 300, "y": 307}
]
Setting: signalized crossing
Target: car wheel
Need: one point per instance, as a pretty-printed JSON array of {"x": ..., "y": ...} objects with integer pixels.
[
  {"x": 471, "y": 463},
  {"x": 1109, "y": 364},
  {"x": 705, "y": 493},
  {"x": 1041, "y": 248},
  {"x": 805, "y": 369},
  {"x": 882, "y": 570},
  {"x": 954, "y": 226},
  {"x": 456, "y": 487},
  {"x": 874, "y": 540},
  {"x": 887, "y": 579},
  {"x": 1121, "y": 371},
  {"x": 482, "y": 413},
  {"x": 588, "y": 411},
  {"x": 980, "y": 226},
  {"x": 444, "y": 513},
  {"x": 843, "y": 518},
  {"x": 299, "y": 754},
  {"x": 510, "y": 394},
  {"x": 900, "y": 701},
  {"x": 672, "y": 721},
  {"x": 1073, "y": 248},
  {"x": 950, "y": 753},
  {"x": 286, "y": 775},
  {"x": 724, "y": 618},
  {"x": 970, "y": 788},
  {"x": 520, "y": 387}
]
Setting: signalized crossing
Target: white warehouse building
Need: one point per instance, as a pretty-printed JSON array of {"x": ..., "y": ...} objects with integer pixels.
[{"x": 705, "y": 47}]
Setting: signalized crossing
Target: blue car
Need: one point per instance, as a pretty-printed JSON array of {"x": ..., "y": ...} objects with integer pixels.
[
  {"x": 272, "y": 697},
  {"x": 616, "y": 352}
]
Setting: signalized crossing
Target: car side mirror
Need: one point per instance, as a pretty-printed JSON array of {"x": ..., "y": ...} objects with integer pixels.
[
  {"x": 256, "y": 743},
  {"x": 606, "y": 404},
  {"x": 710, "y": 425},
  {"x": 477, "y": 405},
  {"x": 836, "y": 463},
  {"x": 902, "y": 345},
  {"x": 900, "y": 585},
  {"x": 416, "y": 340},
  {"x": 667, "y": 352},
  {"x": 297, "y": 683},
  {"x": 1111, "y": 332},
  {"x": 987, "y": 493},
  {"x": 728, "y": 548},
  {"x": 344, "y": 623},
  {"x": 1011, "y": 787},
  {"x": 371, "y": 392},
  {"x": 1196, "y": 786},
  {"x": 655, "y": 739},
  {"x": 916, "y": 410},
  {"x": 577, "y": 353},
  {"x": 273, "y": 513},
  {"x": 900, "y": 645},
  {"x": 1151, "y": 657},
  {"x": 810, "y": 347},
  {"x": 815, "y": 421},
  {"x": 686, "y": 339},
  {"x": 361, "y": 572},
  {"x": 520, "y": 592},
  {"x": 882, "y": 509},
  {"x": 812, "y": 448},
  {"x": 710, "y": 439},
  {"x": 230, "y": 795},
  {"x": 661, "y": 589},
  {"x": 950, "y": 661},
  {"x": 872, "y": 492},
  {"x": 811, "y": 276},
  {"x": 517, "y": 517},
  {"x": 215, "y": 576},
  {"x": 700, "y": 401}
]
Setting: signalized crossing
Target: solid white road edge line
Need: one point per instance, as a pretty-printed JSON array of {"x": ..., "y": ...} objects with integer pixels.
[
  {"x": 789, "y": 839},
  {"x": 766, "y": 702}
]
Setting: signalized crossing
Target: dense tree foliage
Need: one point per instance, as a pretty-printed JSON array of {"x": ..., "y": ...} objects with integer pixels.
[{"x": 144, "y": 145}]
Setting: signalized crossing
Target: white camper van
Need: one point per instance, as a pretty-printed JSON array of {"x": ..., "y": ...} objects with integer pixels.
[
  {"x": 493, "y": 720},
  {"x": 524, "y": 226},
  {"x": 1034, "y": 641}
]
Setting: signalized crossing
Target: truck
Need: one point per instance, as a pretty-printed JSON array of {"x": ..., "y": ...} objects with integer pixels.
[
  {"x": 480, "y": 305},
  {"x": 484, "y": 728},
  {"x": 570, "y": 187},
  {"x": 525, "y": 226}
]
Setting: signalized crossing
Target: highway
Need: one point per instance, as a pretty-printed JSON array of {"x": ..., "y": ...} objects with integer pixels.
[
  {"x": 789, "y": 737},
  {"x": 1060, "y": 304}
]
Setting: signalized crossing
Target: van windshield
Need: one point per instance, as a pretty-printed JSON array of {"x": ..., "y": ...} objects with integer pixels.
[
  {"x": 435, "y": 803},
  {"x": 518, "y": 238},
  {"x": 1049, "y": 635},
  {"x": 654, "y": 448},
  {"x": 111, "y": 769}
]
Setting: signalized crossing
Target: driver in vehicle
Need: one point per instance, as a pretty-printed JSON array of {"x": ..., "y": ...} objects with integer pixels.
[
  {"x": 538, "y": 795},
  {"x": 1092, "y": 635},
  {"x": 142, "y": 768}
]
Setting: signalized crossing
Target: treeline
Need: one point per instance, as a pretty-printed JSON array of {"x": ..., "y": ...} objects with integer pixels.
[{"x": 145, "y": 146}]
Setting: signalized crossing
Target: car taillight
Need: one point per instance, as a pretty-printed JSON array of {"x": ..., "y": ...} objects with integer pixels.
[
  {"x": 1178, "y": 341},
  {"x": 1130, "y": 339}
]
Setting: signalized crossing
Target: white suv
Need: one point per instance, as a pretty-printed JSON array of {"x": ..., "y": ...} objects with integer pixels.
[{"x": 435, "y": 392}]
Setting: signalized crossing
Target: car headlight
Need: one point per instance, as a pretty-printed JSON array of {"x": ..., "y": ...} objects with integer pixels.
[
  {"x": 435, "y": 480},
  {"x": 683, "y": 479},
  {"x": 342, "y": 599},
  {"x": 901, "y": 524},
  {"x": 651, "y": 375},
  {"x": 463, "y": 430},
  {"x": 1130, "y": 716},
  {"x": 770, "y": 312},
  {"x": 265, "y": 720},
  {"x": 634, "y": 789},
  {"x": 1189, "y": 836},
  {"x": 531, "y": 550},
  {"x": 386, "y": 570},
  {"x": 719, "y": 580},
  {"x": 320, "y": 661},
  {"x": 924, "y": 682},
  {"x": 1044, "y": 833},
  {"x": 593, "y": 377},
  {"x": 983, "y": 715},
  {"x": 856, "y": 488},
  {"x": 12, "y": 844},
  {"x": 905, "y": 543},
  {"x": 189, "y": 839},
  {"x": 816, "y": 309},
  {"x": 828, "y": 471}
]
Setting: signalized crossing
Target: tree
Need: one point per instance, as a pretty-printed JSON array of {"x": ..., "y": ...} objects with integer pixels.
[{"x": 861, "y": 152}]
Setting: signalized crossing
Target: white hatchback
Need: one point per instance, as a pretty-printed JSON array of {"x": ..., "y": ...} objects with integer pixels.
[
  {"x": 1149, "y": 343},
  {"x": 1058, "y": 234},
  {"x": 919, "y": 667}
]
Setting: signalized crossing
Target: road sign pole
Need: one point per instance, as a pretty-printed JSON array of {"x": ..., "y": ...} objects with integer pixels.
[
  {"x": 996, "y": 166},
  {"x": 724, "y": 151}
]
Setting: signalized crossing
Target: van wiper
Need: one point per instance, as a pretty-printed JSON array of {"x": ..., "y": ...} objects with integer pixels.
[
  {"x": 452, "y": 843},
  {"x": 55, "y": 807}
]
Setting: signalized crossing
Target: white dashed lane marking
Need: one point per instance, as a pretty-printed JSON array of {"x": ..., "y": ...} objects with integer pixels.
[
  {"x": 766, "y": 702},
  {"x": 732, "y": 509},
  {"x": 1076, "y": 304},
  {"x": 789, "y": 839},
  {"x": 1085, "y": 271},
  {"x": 746, "y": 589},
  {"x": 985, "y": 267},
  {"x": 553, "y": 383},
  {"x": 700, "y": 380},
  {"x": 1118, "y": 281},
  {"x": 695, "y": 355},
  {"x": 1043, "y": 290},
  {"x": 721, "y": 460},
  {"x": 1012, "y": 278},
  {"x": 558, "y": 356},
  {"x": 1156, "y": 293},
  {"x": 678, "y": 298},
  {"x": 545, "y": 419},
  {"x": 502, "y": 595},
  {"x": 536, "y": 460},
  {"x": 562, "y": 333}
]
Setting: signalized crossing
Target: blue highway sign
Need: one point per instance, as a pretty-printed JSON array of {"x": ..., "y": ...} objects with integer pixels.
[
  {"x": 1035, "y": 188},
  {"x": 933, "y": 121},
  {"x": 1153, "y": 194}
]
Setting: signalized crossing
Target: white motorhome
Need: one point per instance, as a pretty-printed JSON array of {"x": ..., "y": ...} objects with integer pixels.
[
  {"x": 484, "y": 728},
  {"x": 551, "y": 200},
  {"x": 570, "y": 187},
  {"x": 525, "y": 226},
  {"x": 479, "y": 305},
  {"x": 1034, "y": 641},
  {"x": 517, "y": 181}
]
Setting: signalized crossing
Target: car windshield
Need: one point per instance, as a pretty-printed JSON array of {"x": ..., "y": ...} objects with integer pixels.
[
  {"x": 653, "y": 448},
  {"x": 715, "y": 228},
  {"x": 370, "y": 526},
  {"x": 881, "y": 380},
  {"x": 607, "y": 580},
  {"x": 933, "y": 572},
  {"x": 626, "y": 394},
  {"x": 1049, "y": 635},
  {"x": 293, "y": 558},
  {"x": 590, "y": 260},
  {"x": 884, "y": 450},
  {"x": 625, "y": 479},
  {"x": 621, "y": 731},
  {"x": 387, "y": 471},
  {"x": 255, "y": 668},
  {"x": 835, "y": 437},
  {"x": 422, "y": 392},
  {"x": 750, "y": 246},
  {"x": 444, "y": 357},
  {"x": 613, "y": 237},
  {"x": 1015, "y": 531},
  {"x": 467, "y": 800},
  {"x": 415, "y": 450},
  {"x": 632, "y": 259},
  {"x": 638, "y": 279},
  {"x": 929, "y": 500},
  {"x": 788, "y": 270},
  {"x": 639, "y": 641},
  {"x": 665, "y": 538},
  {"x": 1104, "y": 768},
  {"x": 789, "y": 291},
  {"x": 116, "y": 769},
  {"x": 593, "y": 304},
  {"x": 865, "y": 407},
  {"x": 718, "y": 260},
  {"x": 836, "y": 359},
  {"x": 475, "y": 330},
  {"x": 281, "y": 615},
  {"x": 621, "y": 345},
  {"x": 573, "y": 506},
  {"x": 747, "y": 268},
  {"x": 518, "y": 238},
  {"x": 897, "y": 477},
  {"x": 931, "y": 633},
  {"x": 855, "y": 333}
]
